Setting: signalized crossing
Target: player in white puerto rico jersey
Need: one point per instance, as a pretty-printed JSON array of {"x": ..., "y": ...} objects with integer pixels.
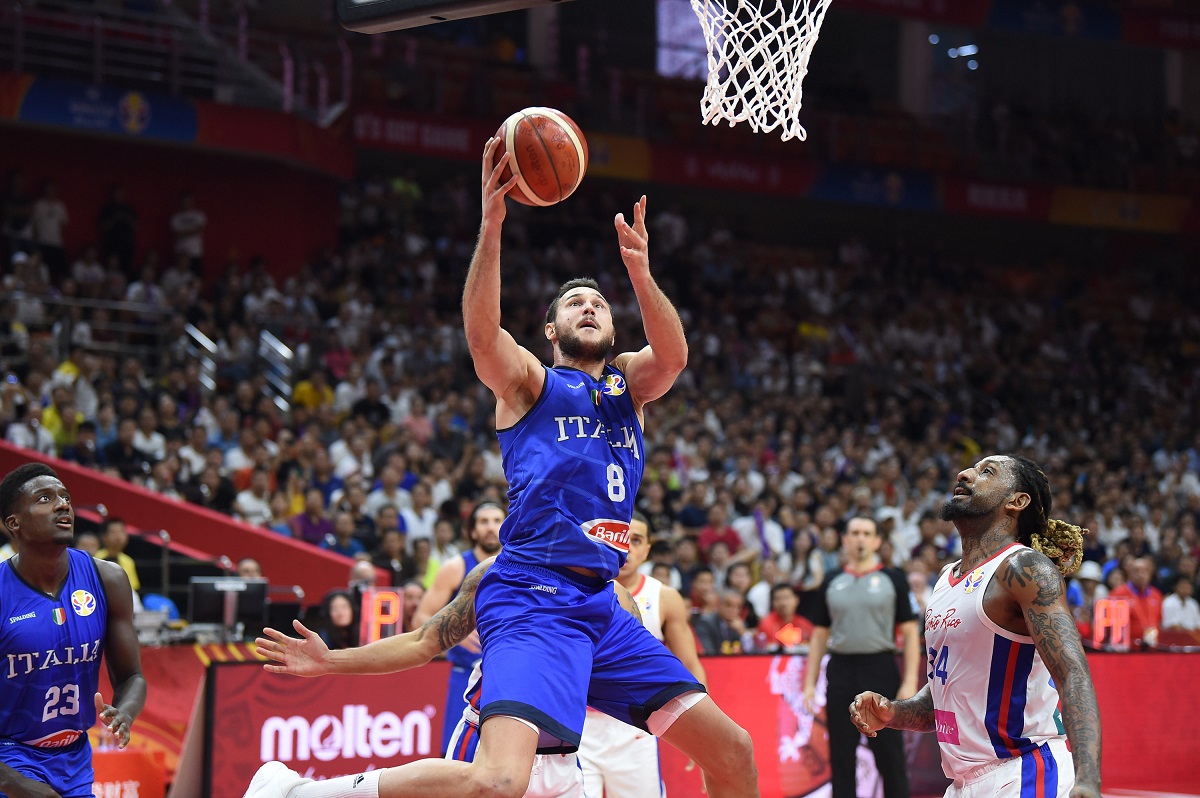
[
  {"x": 1003, "y": 648},
  {"x": 620, "y": 761}
]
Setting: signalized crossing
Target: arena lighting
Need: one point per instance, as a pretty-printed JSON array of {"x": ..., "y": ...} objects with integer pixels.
[
  {"x": 934, "y": 38},
  {"x": 968, "y": 49},
  {"x": 952, "y": 52},
  {"x": 972, "y": 64}
]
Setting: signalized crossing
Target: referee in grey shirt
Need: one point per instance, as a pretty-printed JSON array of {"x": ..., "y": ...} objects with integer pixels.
[{"x": 856, "y": 615}]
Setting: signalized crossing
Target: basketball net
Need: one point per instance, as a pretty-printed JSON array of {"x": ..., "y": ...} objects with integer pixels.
[{"x": 758, "y": 54}]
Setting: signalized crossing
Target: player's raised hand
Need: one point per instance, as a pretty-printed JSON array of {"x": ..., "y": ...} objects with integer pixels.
[
  {"x": 306, "y": 656},
  {"x": 114, "y": 720},
  {"x": 634, "y": 241},
  {"x": 871, "y": 712},
  {"x": 494, "y": 190}
]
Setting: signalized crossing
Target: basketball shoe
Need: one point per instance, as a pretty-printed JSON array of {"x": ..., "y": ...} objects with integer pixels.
[{"x": 274, "y": 780}]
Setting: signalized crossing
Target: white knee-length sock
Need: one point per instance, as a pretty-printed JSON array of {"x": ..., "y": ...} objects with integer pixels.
[{"x": 359, "y": 785}]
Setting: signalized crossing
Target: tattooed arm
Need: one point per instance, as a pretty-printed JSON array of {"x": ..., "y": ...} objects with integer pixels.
[
  {"x": 310, "y": 656},
  {"x": 1036, "y": 584},
  {"x": 871, "y": 712}
]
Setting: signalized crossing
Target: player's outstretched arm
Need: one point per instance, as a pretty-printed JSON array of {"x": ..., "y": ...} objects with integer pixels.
[
  {"x": 651, "y": 371},
  {"x": 501, "y": 363},
  {"x": 871, "y": 712},
  {"x": 677, "y": 632},
  {"x": 123, "y": 656},
  {"x": 1037, "y": 585},
  {"x": 309, "y": 656}
]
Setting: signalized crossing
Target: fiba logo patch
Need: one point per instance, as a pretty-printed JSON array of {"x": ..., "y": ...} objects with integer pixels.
[
  {"x": 83, "y": 602},
  {"x": 614, "y": 385},
  {"x": 974, "y": 580},
  {"x": 133, "y": 112}
]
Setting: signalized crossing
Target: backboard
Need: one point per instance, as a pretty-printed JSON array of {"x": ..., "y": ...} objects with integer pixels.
[{"x": 380, "y": 16}]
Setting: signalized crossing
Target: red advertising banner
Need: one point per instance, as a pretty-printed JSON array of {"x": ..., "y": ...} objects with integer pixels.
[
  {"x": 720, "y": 171},
  {"x": 336, "y": 725},
  {"x": 436, "y": 136},
  {"x": 1162, "y": 29},
  {"x": 127, "y": 774},
  {"x": 996, "y": 199},
  {"x": 971, "y": 13},
  {"x": 319, "y": 727}
]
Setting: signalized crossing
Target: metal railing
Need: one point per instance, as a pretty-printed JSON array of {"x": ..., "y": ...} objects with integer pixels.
[
  {"x": 166, "y": 50},
  {"x": 277, "y": 362},
  {"x": 124, "y": 329}
]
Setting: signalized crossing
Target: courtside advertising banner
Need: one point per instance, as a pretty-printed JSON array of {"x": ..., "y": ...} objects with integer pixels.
[{"x": 320, "y": 728}]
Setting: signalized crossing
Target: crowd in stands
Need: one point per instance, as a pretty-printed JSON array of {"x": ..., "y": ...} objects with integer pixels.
[{"x": 821, "y": 385}]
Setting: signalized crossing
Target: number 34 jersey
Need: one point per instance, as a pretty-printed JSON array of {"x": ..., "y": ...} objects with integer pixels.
[
  {"x": 50, "y": 652},
  {"x": 993, "y": 697},
  {"x": 574, "y": 465}
]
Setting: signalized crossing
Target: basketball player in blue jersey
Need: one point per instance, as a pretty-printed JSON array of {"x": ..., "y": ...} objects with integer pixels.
[
  {"x": 553, "y": 775},
  {"x": 61, "y": 612},
  {"x": 1003, "y": 648},
  {"x": 484, "y": 531},
  {"x": 554, "y": 640}
]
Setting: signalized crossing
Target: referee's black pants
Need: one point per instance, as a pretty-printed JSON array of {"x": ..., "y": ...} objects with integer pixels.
[{"x": 847, "y": 676}]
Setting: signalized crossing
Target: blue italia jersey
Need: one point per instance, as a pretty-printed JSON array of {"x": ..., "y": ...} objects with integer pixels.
[
  {"x": 50, "y": 651},
  {"x": 574, "y": 464}
]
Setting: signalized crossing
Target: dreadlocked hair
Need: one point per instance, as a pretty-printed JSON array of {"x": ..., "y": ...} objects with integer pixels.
[
  {"x": 1062, "y": 543},
  {"x": 1058, "y": 540}
]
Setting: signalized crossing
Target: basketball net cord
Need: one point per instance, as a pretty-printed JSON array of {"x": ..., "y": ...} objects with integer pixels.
[{"x": 758, "y": 54}]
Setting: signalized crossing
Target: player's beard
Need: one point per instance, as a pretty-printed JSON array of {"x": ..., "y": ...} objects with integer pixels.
[
  {"x": 489, "y": 545},
  {"x": 971, "y": 508},
  {"x": 575, "y": 348}
]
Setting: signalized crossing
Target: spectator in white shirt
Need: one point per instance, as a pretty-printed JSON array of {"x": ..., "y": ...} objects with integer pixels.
[
  {"x": 188, "y": 225},
  {"x": 1181, "y": 612},
  {"x": 147, "y": 438},
  {"x": 253, "y": 505},
  {"x": 388, "y": 494},
  {"x": 49, "y": 218},
  {"x": 420, "y": 518}
]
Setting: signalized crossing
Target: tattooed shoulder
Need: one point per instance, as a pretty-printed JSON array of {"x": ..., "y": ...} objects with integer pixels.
[{"x": 1033, "y": 573}]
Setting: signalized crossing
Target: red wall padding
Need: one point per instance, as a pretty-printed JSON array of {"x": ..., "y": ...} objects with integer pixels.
[{"x": 255, "y": 206}]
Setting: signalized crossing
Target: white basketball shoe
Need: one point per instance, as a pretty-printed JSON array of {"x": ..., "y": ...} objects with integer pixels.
[{"x": 274, "y": 780}]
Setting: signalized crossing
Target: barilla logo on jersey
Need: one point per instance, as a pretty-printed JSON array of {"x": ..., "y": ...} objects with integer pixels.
[
  {"x": 614, "y": 534},
  {"x": 60, "y": 739},
  {"x": 946, "y": 726},
  {"x": 83, "y": 602},
  {"x": 614, "y": 385},
  {"x": 24, "y": 617},
  {"x": 59, "y": 615},
  {"x": 974, "y": 580}
]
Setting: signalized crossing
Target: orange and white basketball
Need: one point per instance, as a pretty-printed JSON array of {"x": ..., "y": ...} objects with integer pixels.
[{"x": 550, "y": 155}]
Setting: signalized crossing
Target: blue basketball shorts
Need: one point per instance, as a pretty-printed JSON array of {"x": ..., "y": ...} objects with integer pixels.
[
  {"x": 555, "y": 643},
  {"x": 68, "y": 770}
]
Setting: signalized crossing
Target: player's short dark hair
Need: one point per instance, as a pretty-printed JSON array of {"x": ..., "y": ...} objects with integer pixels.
[
  {"x": 640, "y": 518},
  {"x": 569, "y": 285},
  {"x": 14, "y": 483}
]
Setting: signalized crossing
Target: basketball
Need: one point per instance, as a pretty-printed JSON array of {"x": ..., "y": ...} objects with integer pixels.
[{"x": 550, "y": 155}]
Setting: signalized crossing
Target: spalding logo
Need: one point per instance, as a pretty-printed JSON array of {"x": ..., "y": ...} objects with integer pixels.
[{"x": 83, "y": 602}]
